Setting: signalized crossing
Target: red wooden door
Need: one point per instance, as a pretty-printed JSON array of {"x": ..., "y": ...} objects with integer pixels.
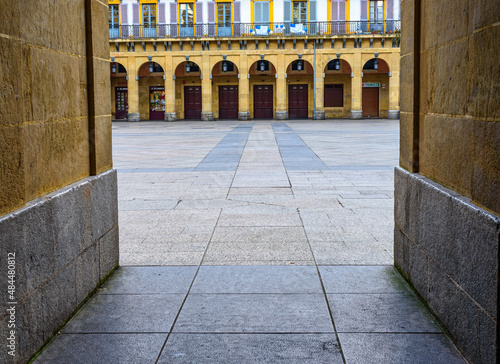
[
  {"x": 156, "y": 103},
  {"x": 192, "y": 102},
  {"x": 370, "y": 101},
  {"x": 263, "y": 101},
  {"x": 121, "y": 103},
  {"x": 228, "y": 102},
  {"x": 297, "y": 101}
]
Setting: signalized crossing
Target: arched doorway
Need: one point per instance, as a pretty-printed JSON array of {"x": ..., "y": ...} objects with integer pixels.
[
  {"x": 375, "y": 89},
  {"x": 151, "y": 91},
  {"x": 119, "y": 92},
  {"x": 263, "y": 91},
  {"x": 337, "y": 89},
  {"x": 300, "y": 75},
  {"x": 225, "y": 89},
  {"x": 188, "y": 80}
]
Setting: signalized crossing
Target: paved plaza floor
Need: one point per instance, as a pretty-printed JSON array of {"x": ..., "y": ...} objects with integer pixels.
[{"x": 254, "y": 242}]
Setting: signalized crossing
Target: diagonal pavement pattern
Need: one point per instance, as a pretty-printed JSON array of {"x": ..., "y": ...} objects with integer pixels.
[{"x": 255, "y": 242}]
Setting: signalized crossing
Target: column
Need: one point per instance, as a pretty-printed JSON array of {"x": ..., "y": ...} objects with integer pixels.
[
  {"x": 133, "y": 93},
  {"x": 170, "y": 114},
  {"x": 394, "y": 90},
  {"x": 243, "y": 90},
  {"x": 206, "y": 90},
  {"x": 320, "y": 92},
  {"x": 356, "y": 88},
  {"x": 281, "y": 91}
]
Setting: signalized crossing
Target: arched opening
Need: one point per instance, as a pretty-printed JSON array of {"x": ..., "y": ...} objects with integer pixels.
[
  {"x": 225, "y": 89},
  {"x": 151, "y": 91},
  {"x": 300, "y": 79},
  {"x": 119, "y": 92},
  {"x": 337, "y": 88},
  {"x": 263, "y": 89},
  {"x": 188, "y": 82},
  {"x": 375, "y": 88}
]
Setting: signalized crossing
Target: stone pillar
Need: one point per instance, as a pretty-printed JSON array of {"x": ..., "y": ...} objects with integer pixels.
[
  {"x": 281, "y": 91},
  {"x": 243, "y": 90},
  {"x": 170, "y": 114},
  {"x": 394, "y": 91},
  {"x": 206, "y": 90},
  {"x": 356, "y": 89},
  {"x": 320, "y": 94},
  {"x": 133, "y": 95}
]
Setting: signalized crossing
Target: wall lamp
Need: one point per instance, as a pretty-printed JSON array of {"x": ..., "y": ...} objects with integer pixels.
[
  {"x": 151, "y": 69},
  {"x": 113, "y": 65},
  {"x": 224, "y": 64},
  {"x": 337, "y": 63},
  {"x": 188, "y": 67},
  {"x": 299, "y": 63},
  {"x": 262, "y": 65},
  {"x": 375, "y": 64}
]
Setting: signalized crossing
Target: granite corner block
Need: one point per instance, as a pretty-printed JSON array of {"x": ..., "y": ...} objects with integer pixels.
[
  {"x": 87, "y": 272},
  {"x": 104, "y": 201},
  {"x": 406, "y": 202},
  {"x": 401, "y": 253},
  {"x": 30, "y": 327},
  {"x": 59, "y": 299},
  {"x": 108, "y": 252}
]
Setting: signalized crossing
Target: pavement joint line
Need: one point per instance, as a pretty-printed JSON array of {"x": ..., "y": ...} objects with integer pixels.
[
  {"x": 188, "y": 291},
  {"x": 325, "y": 295}
]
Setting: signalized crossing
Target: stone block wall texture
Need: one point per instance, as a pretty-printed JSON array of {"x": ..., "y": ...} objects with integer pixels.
[
  {"x": 447, "y": 203},
  {"x": 57, "y": 190}
]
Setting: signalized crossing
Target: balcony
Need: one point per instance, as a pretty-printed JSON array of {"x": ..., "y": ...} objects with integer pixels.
[{"x": 243, "y": 30}]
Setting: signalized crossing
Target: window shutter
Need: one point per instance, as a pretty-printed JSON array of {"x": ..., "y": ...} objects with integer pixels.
[
  {"x": 161, "y": 13},
  {"x": 199, "y": 12},
  {"x": 173, "y": 13},
  {"x": 123, "y": 10},
  {"x": 342, "y": 16},
  {"x": 136, "y": 16},
  {"x": 312, "y": 10},
  {"x": 211, "y": 12},
  {"x": 257, "y": 11},
  {"x": 287, "y": 11},
  {"x": 364, "y": 10},
  {"x": 335, "y": 10},
  {"x": 236, "y": 12},
  {"x": 390, "y": 9},
  {"x": 265, "y": 12}
]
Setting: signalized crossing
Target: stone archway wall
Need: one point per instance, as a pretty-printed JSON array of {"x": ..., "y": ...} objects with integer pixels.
[
  {"x": 58, "y": 200},
  {"x": 447, "y": 212}
]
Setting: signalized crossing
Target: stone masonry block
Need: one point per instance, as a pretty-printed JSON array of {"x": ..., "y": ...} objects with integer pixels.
[
  {"x": 401, "y": 251},
  {"x": 446, "y": 79},
  {"x": 445, "y": 151},
  {"x": 418, "y": 269},
  {"x": 483, "y": 73},
  {"x": 68, "y": 31},
  {"x": 104, "y": 158},
  {"x": 104, "y": 204},
  {"x": 102, "y": 85},
  {"x": 59, "y": 299},
  {"x": 474, "y": 253},
  {"x": 406, "y": 202},
  {"x": 434, "y": 222},
  {"x": 442, "y": 23},
  {"x": 486, "y": 171},
  {"x": 483, "y": 13},
  {"x": 406, "y": 140},
  {"x": 12, "y": 186},
  {"x": 71, "y": 212},
  {"x": 87, "y": 272},
  {"x": 10, "y": 18},
  {"x": 40, "y": 32},
  {"x": 30, "y": 327},
  {"x": 108, "y": 252},
  {"x": 407, "y": 24},
  {"x": 100, "y": 32},
  {"x": 10, "y": 69},
  {"x": 58, "y": 155}
]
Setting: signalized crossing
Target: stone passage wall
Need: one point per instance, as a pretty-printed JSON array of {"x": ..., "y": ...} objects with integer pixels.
[
  {"x": 448, "y": 189},
  {"x": 57, "y": 202}
]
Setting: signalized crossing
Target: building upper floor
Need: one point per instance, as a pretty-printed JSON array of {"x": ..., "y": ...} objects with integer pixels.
[{"x": 250, "y": 18}]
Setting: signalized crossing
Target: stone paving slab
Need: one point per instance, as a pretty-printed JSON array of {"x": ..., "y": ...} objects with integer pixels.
[
  {"x": 399, "y": 348},
  {"x": 126, "y": 313},
  {"x": 103, "y": 348},
  {"x": 251, "y": 348},
  {"x": 258, "y": 313}
]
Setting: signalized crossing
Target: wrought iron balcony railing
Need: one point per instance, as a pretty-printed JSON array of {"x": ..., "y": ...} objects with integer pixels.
[{"x": 254, "y": 29}]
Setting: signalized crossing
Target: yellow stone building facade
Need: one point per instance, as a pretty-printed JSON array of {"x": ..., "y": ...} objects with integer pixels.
[{"x": 254, "y": 59}]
